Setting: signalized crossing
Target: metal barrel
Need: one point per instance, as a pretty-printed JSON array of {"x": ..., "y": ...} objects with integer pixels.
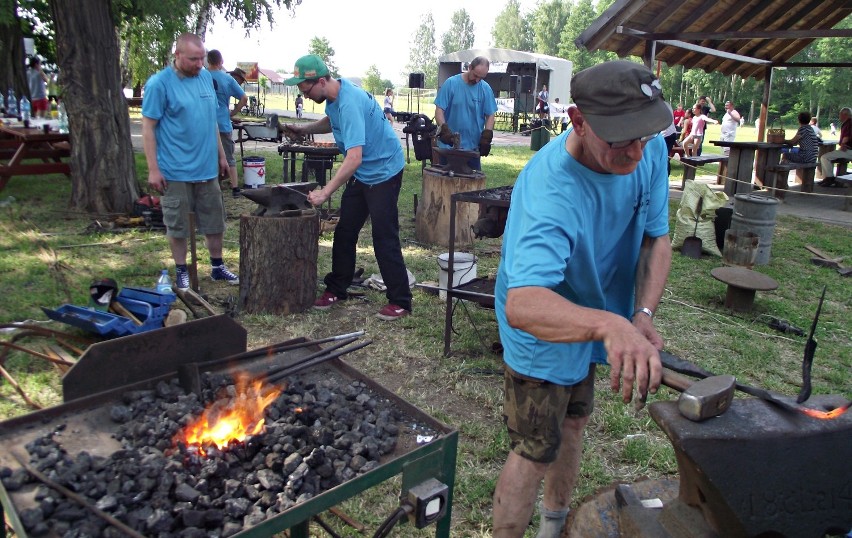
[{"x": 756, "y": 213}]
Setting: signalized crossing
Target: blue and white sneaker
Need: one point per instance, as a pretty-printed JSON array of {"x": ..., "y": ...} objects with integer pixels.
[
  {"x": 220, "y": 272},
  {"x": 182, "y": 279}
]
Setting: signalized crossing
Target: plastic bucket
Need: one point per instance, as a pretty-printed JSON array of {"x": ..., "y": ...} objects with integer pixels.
[
  {"x": 756, "y": 213},
  {"x": 254, "y": 172},
  {"x": 464, "y": 270}
]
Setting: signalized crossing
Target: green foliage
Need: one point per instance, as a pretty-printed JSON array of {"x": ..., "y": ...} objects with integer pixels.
[
  {"x": 373, "y": 81},
  {"x": 548, "y": 19},
  {"x": 460, "y": 36},
  {"x": 512, "y": 30},
  {"x": 423, "y": 56},
  {"x": 35, "y": 20},
  {"x": 581, "y": 16},
  {"x": 322, "y": 48}
]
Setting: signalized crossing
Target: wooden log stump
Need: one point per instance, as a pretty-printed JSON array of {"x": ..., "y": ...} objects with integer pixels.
[
  {"x": 278, "y": 263},
  {"x": 433, "y": 211}
]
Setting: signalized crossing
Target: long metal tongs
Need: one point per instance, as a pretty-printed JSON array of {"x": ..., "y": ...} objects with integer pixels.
[{"x": 808, "y": 361}]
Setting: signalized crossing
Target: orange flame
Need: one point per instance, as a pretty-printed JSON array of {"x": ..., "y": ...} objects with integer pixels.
[
  {"x": 231, "y": 420},
  {"x": 825, "y": 415}
]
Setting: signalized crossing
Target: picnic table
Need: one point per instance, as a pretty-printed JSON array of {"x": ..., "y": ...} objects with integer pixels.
[
  {"x": 20, "y": 145},
  {"x": 748, "y": 160}
]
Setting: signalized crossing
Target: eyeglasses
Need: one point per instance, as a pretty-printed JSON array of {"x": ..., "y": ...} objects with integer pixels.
[
  {"x": 306, "y": 92},
  {"x": 626, "y": 143}
]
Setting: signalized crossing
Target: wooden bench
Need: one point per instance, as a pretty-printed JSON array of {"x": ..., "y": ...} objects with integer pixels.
[
  {"x": 846, "y": 179},
  {"x": 841, "y": 163},
  {"x": 676, "y": 150},
  {"x": 777, "y": 177},
  {"x": 689, "y": 164}
]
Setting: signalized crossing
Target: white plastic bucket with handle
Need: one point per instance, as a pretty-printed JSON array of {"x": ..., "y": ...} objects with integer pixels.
[
  {"x": 254, "y": 172},
  {"x": 464, "y": 270}
]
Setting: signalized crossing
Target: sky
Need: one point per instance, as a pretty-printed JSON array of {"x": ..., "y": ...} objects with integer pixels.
[{"x": 361, "y": 32}]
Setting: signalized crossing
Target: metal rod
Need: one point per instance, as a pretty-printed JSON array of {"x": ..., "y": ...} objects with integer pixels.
[
  {"x": 18, "y": 388},
  {"x": 36, "y": 353},
  {"x": 316, "y": 354},
  {"x": 193, "y": 263},
  {"x": 307, "y": 363},
  {"x": 349, "y": 520},
  {"x": 279, "y": 348},
  {"x": 78, "y": 499}
]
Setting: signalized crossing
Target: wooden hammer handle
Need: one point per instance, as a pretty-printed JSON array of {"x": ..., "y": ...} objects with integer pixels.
[
  {"x": 119, "y": 309},
  {"x": 676, "y": 381}
]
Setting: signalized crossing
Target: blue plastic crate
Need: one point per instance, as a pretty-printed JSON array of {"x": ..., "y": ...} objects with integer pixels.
[
  {"x": 160, "y": 302},
  {"x": 144, "y": 312},
  {"x": 94, "y": 321}
]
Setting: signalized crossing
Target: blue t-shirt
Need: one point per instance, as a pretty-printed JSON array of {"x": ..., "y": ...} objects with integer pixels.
[
  {"x": 465, "y": 108},
  {"x": 578, "y": 233},
  {"x": 357, "y": 120},
  {"x": 226, "y": 87},
  {"x": 186, "y": 131}
]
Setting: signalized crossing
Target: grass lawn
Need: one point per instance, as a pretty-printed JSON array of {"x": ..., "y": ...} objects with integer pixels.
[{"x": 49, "y": 255}]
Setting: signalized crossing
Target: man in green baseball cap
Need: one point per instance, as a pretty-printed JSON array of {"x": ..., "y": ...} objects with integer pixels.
[{"x": 372, "y": 172}]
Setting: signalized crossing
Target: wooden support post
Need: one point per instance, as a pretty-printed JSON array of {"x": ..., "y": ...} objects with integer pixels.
[
  {"x": 278, "y": 263},
  {"x": 433, "y": 212},
  {"x": 192, "y": 268}
]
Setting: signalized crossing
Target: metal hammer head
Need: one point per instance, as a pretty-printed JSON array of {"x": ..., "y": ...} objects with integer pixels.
[{"x": 709, "y": 397}]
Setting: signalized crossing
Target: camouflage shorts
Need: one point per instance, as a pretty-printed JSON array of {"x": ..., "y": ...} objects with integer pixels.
[{"x": 533, "y": 411}]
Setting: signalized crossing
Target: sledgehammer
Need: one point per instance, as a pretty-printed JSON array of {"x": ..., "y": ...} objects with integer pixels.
[{"x": 700, "y": 400}]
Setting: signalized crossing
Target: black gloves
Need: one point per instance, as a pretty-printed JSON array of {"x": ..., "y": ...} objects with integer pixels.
[
  {"x": 485, "y": 142},
  {"x": 444, "y": 134}
]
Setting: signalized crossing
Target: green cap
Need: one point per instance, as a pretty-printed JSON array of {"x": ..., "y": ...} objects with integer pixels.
[{"x": 308, "y": 67}]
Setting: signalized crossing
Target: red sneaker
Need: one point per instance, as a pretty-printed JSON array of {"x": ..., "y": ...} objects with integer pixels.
[
  {"x": 391, "y": 312},
  {"x": 326, "y": 301}
]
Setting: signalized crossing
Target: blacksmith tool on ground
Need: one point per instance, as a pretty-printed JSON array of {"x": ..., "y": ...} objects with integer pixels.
[
  {"x": 808, "y": 360},
  {"x": 693, "y": 244}
]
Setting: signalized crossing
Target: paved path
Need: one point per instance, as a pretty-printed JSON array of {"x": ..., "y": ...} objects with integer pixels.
[{"x": 825, "y": 204}]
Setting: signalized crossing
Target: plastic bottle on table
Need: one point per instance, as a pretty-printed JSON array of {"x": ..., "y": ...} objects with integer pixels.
[
  {"x": 11, "y": 104},
  {"x": 63, "y": 118},
  {"x": 25, "y": 111},
  {"x": 164, "y": 283}
]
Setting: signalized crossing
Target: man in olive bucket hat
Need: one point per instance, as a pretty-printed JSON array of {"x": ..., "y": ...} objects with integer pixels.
[{"x": 586, "y": 254}]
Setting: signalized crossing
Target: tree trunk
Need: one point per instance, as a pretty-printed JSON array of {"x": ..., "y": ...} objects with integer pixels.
[
  {"x": 12, "y": 70},
  {"x": 278, "y": 263},
  {"x": 433, "y": 211},
  {"x": 102, "y": 166},
  {"x": 205, "y": 12}
]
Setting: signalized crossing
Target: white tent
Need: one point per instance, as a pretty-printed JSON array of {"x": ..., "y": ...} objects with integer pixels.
[{"x": 519, "y": 74}]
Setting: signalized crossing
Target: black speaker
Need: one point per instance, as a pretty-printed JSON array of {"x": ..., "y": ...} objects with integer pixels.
[
  {"x": 526, "y": 84},
  {"x": 415, "y": 80},
  {"x": 513, "y": 83}
]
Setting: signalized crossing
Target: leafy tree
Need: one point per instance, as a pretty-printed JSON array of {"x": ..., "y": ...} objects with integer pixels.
[
  {"x": 460, "y": 36},
  {"x": 511, "y": 30},
  {"x": 322, "y": 48},
  {"x": 548, "y": 19},
  {"x": 581, "y": 16},
  {"x": 423, "y": 52},
  {"x": 373, "y": 80}
]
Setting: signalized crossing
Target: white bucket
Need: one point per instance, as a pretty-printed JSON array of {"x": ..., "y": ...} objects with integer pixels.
[
  {"x": 254, "y": 172},
  {"x": 464, "y": 270}
]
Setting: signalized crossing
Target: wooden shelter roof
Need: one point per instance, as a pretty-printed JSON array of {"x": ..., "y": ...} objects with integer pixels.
[{"x": 741, "y": 37}]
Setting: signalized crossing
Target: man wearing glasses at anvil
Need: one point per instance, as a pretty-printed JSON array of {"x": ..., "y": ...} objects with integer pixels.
[
  {"x": 586, "y": 254},
  {"x": 372, "y": 173}
]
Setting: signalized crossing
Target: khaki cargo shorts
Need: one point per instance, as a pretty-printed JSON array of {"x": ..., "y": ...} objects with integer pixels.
[
  {"x": 203, "y": 197},
  {"x": 533, "y": 411}
]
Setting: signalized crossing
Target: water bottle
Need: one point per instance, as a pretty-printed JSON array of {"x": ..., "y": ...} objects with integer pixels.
[
  {"x": 164, "y": 283},
  {"x": 25, "y": 111},
  {"x": 63, "y": 118},
  {"x": 12, "y": 104}
]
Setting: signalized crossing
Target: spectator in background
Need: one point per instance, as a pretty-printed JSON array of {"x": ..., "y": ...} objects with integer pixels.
[
  {"x": 388, "y": 109},
  {"x": 300, "y": 105},
  {"x": 730, "y": 122},
  {"x": 563, "y": 115},
  {"x": 686, "y": 127},
  {"x": 815, "y": 127},
  {"x": 844, "y": 150},
  {"x": 692, "y": 143},
  {"x": 706, "y": 105},
  {"x": 832, "y": 129},
  {"x": 465, "y": 105},
  {"x": 678, "y": 115},
  {"x": 541, "y": 103},
  {"x": 180, "y": 136},
  {"x": 37, "y": 81},
  {"x": 807, "y": 141},
  {"x": 227, "y": 85}
]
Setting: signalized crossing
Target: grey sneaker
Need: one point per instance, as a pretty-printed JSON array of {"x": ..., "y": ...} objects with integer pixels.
[
  {"x": 182, "y": 279},
  {"x": 220, "y": 272}
]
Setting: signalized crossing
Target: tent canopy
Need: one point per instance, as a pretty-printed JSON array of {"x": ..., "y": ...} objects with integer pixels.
[{"x": 506, "y": 63}]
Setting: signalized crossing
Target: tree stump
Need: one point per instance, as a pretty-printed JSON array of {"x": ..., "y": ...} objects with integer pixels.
[
  {"x": 433, "y": 211},
  {"x": 278, "y": 263}
]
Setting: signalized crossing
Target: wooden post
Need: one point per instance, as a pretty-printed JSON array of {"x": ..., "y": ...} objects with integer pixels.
[
  {"x": 433, "y": 211},
  {"x": 278, "y": 263}
]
